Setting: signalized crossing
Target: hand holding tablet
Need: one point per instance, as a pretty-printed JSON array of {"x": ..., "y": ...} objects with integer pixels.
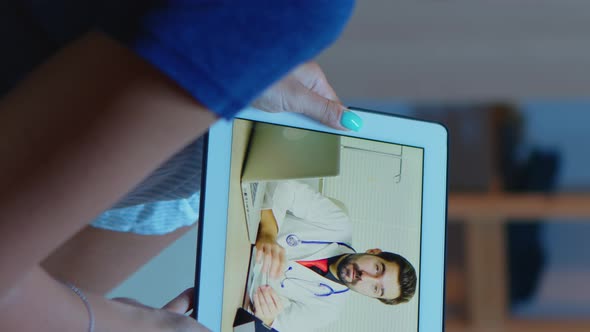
[
  {"x": 307, "y": 91},
  {"x": 350, "y": 231}
]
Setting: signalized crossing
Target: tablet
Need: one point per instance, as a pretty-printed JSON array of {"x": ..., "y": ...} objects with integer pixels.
[{"x": 360, "y": 217}]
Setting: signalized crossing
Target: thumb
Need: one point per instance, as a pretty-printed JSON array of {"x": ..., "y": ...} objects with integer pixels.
[
  {"x": 182, "y": 303},
  {"x": 329, "y": 112},
  {"x": 129, "y": 301}
]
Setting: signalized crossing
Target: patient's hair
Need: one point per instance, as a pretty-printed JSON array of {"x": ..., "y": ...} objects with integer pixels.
[{"x": 407, "y": 278}]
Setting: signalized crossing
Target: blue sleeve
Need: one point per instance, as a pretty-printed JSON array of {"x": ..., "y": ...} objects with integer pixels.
[{"x": 225, "y": 53}]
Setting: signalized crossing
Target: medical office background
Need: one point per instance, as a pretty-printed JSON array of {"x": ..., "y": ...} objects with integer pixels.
[
  {"x": 512, "y": 84},
  {"x": 381, "y": 186}
]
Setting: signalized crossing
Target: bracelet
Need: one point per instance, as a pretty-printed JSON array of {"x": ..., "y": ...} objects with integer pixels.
[{"x": 86, "y": 304}]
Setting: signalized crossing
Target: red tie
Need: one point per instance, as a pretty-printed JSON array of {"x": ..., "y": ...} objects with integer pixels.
[{"x": 321, "y": 264}]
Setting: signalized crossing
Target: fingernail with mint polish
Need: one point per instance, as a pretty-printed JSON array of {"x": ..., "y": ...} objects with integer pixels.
[{"x": 351, "y": 120}]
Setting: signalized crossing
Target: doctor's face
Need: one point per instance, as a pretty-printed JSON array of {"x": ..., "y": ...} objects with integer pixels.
[{"x": 370, "y": 275}]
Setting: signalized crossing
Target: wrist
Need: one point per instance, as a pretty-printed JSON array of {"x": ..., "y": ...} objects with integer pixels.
[
  {"x": 268, "y": 226},
  {"x": 266, "y": 237},
  {"x": 84, "y": 299}
]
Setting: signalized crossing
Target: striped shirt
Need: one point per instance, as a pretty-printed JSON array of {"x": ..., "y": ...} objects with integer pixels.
[{"x": 168, "y": 199}]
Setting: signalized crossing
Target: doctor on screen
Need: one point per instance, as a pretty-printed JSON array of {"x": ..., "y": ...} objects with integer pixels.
[{"x": 306, "y": 267}]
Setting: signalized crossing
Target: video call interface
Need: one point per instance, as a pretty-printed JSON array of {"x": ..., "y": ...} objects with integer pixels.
[{"x": 323, "y": 232}]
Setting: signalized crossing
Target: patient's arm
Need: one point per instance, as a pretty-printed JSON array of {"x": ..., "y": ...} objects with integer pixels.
[{"x": 77, "y": 133}]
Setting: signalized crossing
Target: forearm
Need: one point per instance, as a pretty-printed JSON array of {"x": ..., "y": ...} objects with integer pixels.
[
  {"x": 39, "y": 303},
  {"x": 77, "y": 134},
  {"x": 268, "y": 225}
]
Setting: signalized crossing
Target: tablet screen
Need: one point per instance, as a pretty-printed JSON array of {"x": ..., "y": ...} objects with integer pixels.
[{"x": 346, "y": 213}]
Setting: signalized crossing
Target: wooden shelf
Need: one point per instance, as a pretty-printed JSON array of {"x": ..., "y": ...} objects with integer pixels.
[
  {"x": 484, "y": 276},
  {"x": 521, "y": 326},
  {"x": 497, "y": 207}
]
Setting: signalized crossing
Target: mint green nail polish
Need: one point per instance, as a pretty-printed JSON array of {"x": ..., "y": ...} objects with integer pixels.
[{"x": 351, "y": 121}]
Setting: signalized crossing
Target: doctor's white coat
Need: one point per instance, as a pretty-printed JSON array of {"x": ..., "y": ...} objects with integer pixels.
[{"x": 303, "y": 212}]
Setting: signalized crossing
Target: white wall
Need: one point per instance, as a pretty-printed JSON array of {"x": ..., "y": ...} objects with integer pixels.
[
  {"x": 386, "y": 214},
  {"x": 462, "y": 49}
]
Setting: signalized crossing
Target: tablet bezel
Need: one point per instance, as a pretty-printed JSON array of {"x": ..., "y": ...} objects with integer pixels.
[{"x": 430, "y": 136}]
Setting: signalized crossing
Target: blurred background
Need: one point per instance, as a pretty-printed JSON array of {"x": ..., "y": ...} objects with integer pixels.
[{"x": 511, "y": 81}]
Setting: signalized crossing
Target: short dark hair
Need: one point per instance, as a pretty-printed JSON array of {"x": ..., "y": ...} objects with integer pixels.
[{"x": 407, "y": 278}]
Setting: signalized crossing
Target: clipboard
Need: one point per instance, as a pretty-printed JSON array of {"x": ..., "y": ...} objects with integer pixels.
[{"x": 246, "y": 322}]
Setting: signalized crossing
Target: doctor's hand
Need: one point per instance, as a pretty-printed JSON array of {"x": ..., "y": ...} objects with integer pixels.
[
  {"x": 267, "y": 304},
  {"x": 268, "y": 252},
  {"x": 271, "y": 255},
  {"x": 307, "y": 91}
]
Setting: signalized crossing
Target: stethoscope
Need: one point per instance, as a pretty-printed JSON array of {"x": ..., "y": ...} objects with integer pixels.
[
  {"x": 308, "y": 284},
  {"x": 292, "y": 240}
]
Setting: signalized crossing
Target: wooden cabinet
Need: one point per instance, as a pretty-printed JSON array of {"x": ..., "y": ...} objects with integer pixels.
[{"x": 477, "y": 288}]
